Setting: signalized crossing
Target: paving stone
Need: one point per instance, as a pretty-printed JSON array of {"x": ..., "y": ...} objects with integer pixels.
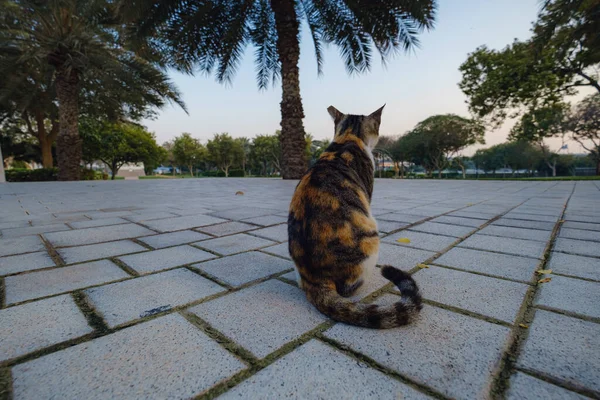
[
  {"x": 580, "y": 234},
  {"x": 181, "y": 223},
  {"x": 243, "y": 268},
  {"x": 173, "y": 239},
  {"x": 234, "y": 244},
  {"x": 450, "y": 352},
  {"x": 101, "y": 250},
  {"x": 521, "y": 223},
  {"x": 191, "y": 210},
  {"x": 495, "y": 298},
  {"x": 25, "y": 262},
  {"x": 280, "y": 250},
  {"x": 581, "y": 247},
  {"x": 448, "y": 219},
  {"x": 156, "y": 260},
  {"x": 563, "y": 347},
  {"x": 149, "y": 216},
  {"x": 20, "y": 245},
  {"x": 45, "y": 283},
  {"x": 537, "y": 210},
  {"x": 532, "y": 217},
  {"x": 317, "y": 371},
  {"x": 33, "y": 230},
  {"x": 472, "y": 214},
  {"x": 570, "y": 294},
  {"x": 96, "y": 235},
  {"x": 373, "y": 282},
  {"x": 581, "y": 225},
  {"x": 568, "y": 264},
  {"x": 266, "y": 220},
  {"x": 589, "y": 218},
  {"x": 228, "y": 228},
  {"x": 401, "y": 257},
  {"x": 502, "y": 265},
  {"x": 526, "y": 387},
  {"x": 516, "y": 233},
  {"x": 290, "y": 276},
  {"x": 243, "y": 213},
  {"x": 390, "y": 226},
  {"x": 90, "y": 223},
  {"x": 443, "y": 229},
  {"x": 108, "y": 214},
  {"x": 421, "y": 240},
  {"x": 122, "y": 302},
  {"x": 277, "y": 233},
  {"x": 164, "y": 358},
  {"x": 13, "y": 224},
  {"x": 529, "y": 248},
  {"x": 259, "y": 317},
  {"x": 33, "y": 326},
  {"x": 401, "y": 217}
]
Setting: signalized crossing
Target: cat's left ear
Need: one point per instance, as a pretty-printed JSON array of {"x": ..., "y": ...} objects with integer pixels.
[
  {"x": 377, "y": 115},
  {"x": 336, "y": 114}
]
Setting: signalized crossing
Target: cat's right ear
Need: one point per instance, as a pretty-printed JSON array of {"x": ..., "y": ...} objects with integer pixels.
[{"x": 335, "y": 114}]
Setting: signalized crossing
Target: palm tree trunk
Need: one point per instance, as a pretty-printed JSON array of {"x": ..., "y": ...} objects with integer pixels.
[
  {"x": 293, "y": 163},
  {"x": 68, "y": 143}
]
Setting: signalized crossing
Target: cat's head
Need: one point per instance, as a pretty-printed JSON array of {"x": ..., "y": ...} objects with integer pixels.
[{"x": 365, "y": 127}]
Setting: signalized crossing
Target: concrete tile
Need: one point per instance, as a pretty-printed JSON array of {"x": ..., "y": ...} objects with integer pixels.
[
  {"x": 581, "y": 247},
  {"x": 516, "y": 233},
  {"x": 390, "y": 226},
  {"x": 526, "y": 387},
  {"x": 13, "y": 224},
  {"x": 249, "y": 317},
  {"x": 234, "y": 244},
  {"x": 568, "y": 264},
  {"x": 473, "y": 214},
  {"x": 243, "y": 213},
  {"x": 108, "y": 214},
  {"x": 96, "y": 235},
  {"x": 591, "y": 217},
  {"x": 25, "y": 262},
  {"x": 228, "y": 228},
  {"x": 156, "y": 260},
  {"x": 45, "y": 283},
  {"x": 506, "y": 266},
  {"x": 421, "y": 240},
  {"x": 519, "y": 247},
  {"x": 401, "y": 217},
  {"x": 101, "y": 250},
  {"x": 401, "y": 257},
  {"x": 448, "y": 219},
  {"x": 443, "y": 229},
  {"x": 573, "y": 295},
  {"x": 563, "y": 347},
  {"x": 181, "y": 223},
  {"x": 164, "y": 358},
  {"x": 582, "y": 225},
  {"x": 373, "y": 282},
  {"x": 243, "y": 268},
  {"x": 532, "y": 217},
  {"x": 25, "y": 244},
  {"x": 33, "y": 230},
  {"x": 447, "y": 351},
  {"x": 280, "y": 250},
  {"x": 266, "y": 220},
  {"x": 91, "y": 223},
  {"x": 580, "y": 234},
  {"x": 277, "y": 233},
  {"x": 320, "y": 372},
  {"x": 173, "y": 239},
  {"x": 521, "y": 223},
  {"x": 126, "y": 301},
  {"x": 494, "y": 298},
  {"x": 149, "y": 216},
  {"x": 190, "y": 210},
  {"x": 33, "y": 326}
]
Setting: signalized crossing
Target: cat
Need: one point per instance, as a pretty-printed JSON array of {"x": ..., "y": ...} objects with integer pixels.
[{"x": 333, "y": 237}]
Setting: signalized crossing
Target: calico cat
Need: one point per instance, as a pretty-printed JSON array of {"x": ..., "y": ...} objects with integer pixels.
[{"x": 333, "y": 237}]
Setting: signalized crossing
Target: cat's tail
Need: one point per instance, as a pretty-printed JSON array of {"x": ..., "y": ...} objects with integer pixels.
[{"x": 327, "y": 300}]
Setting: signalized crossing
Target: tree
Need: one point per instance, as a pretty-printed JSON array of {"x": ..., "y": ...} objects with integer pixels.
[
  {"x": 461, "y": 163},
  {"x": 80, "y": 41},
  {"x": 246, "y": 145},
  {"x": 212, "y": 35},
  {"x": 188, "y": 151},
  {"x": 266, "y": 150},
  {"x": 584, "y": 124},
  {"x": 439, "y": 138},
  {"x": 224, "y": 151},
  {"x": 561, "y": 57},
  {"x": 116, "y": 144}
]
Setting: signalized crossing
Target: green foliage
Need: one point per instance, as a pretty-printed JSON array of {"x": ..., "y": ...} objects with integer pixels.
[
  {"x": 584, "y": 124},
  {"x": 224, "y": 152},
  {"x": 31, "y": 175},
  {"x": 188, "y": 151},
  {"x": 266, "y": 153}
]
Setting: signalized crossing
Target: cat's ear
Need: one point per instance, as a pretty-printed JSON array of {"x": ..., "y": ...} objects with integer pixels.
[
  {"x": 376, "y": 115},
  {"x": 335, "y": 114}
]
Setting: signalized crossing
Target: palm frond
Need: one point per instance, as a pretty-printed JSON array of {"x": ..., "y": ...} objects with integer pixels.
[{"x": 264, "y": 36}]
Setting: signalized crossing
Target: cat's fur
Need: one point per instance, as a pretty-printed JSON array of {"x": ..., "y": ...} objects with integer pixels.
[{"x": 333, "y": 237}]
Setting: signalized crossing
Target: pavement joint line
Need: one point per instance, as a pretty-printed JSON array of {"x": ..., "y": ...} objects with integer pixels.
[
  {"x": 577, "y": 254},
  {"x": 479, "y": 273},
  {"x": 129, "y": 270},
  {"x": 2, "y": 293},
  {"x": 58, "y": 260},
  {"x": 143, "y": 244},
  {"x": 214, "y": 253},
  {"x": 526, "y": 314},
  {"x": 561, "y": 383},
  {"x": 94, "y": 318},
  {"x": 499, "y": 252},
  {"x": 467, "y": 313},
  {"x": 253, "y": 234},
  {"x": 568, "y": 313},
  {"x": 5, "y": 384},
  {"x": 263, "y": 250},
  {"x": 581, "y": 278},
  {"x": 516, "y": 227}
]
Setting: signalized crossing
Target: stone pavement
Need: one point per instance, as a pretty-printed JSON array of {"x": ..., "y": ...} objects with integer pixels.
[{"x": 182, "y": 289}]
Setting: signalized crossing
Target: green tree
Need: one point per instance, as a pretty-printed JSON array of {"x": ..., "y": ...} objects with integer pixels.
[
  {"x": 80, "y": 42},
  {"x": 116, "y": 144},
  {"x": 188, "y": 151},
  {"x": 584, "y": 124},
  {"x": 266, "y": 150},
  {"x": 224, "y": 152},
  {"x": 212, "y": 36},
  {"x": 246, "y": 145}
]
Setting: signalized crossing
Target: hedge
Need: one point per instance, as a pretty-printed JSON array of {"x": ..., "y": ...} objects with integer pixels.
[{"x": 48, "y": 175}]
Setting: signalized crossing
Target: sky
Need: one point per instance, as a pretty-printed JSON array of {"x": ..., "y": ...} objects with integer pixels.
[{"x": 413, "y": 86}]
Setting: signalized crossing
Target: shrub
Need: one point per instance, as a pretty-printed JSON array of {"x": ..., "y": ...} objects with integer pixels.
[
  {"x": 236, "y": 173},
  {"x": 31, "y": 175}
]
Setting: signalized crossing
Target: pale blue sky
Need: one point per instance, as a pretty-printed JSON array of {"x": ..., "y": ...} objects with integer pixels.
[{"x": 414, "y": 86}]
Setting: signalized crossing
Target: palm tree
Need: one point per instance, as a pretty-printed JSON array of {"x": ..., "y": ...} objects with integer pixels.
[
  {"x": 211, "y": 35},
  {"x": 81, "y": 43}
]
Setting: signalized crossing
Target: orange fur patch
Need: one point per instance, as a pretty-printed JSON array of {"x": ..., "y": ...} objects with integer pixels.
[
  {"x": 321, "y": 198},
  {"x": 370, "y": 245},
  {"x": 363, "y": 221},
  {"x": 348, "y": 136},
  {"x": 296, "y": 250},
  {"x": 327, "y": 156},
  {"x": 347, "y": 157},
  {"x": 345, "y": 235}
]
